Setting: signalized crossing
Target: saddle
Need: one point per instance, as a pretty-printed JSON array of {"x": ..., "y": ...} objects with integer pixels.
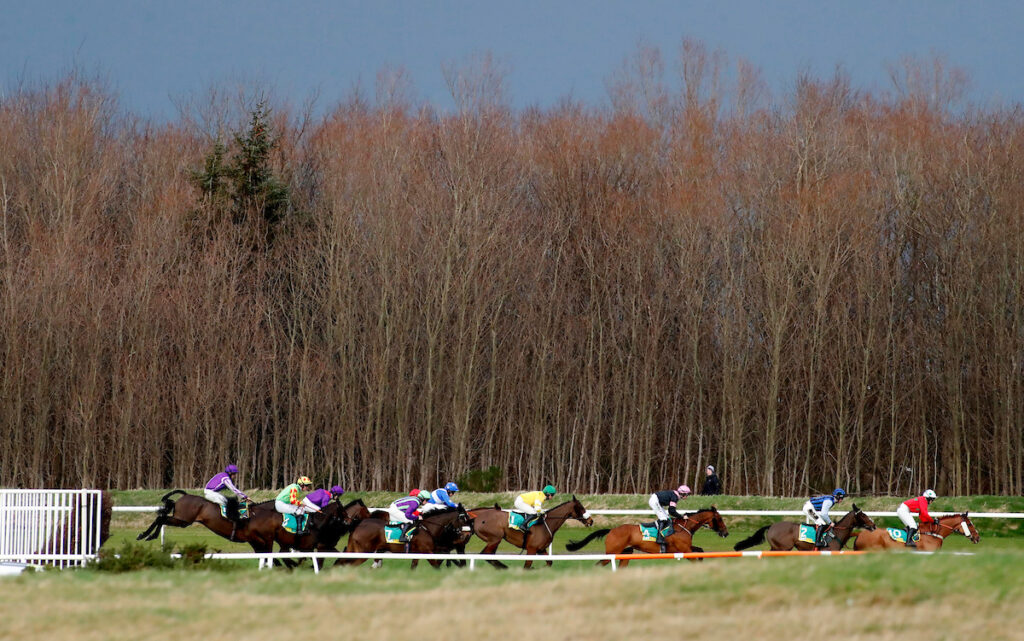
[
  {"x": 649, "y": 531},
  {"x": 900, "y": 535},
  {"x": 290, "y": 521},
  {"x": 393, "y": 533},
  {"x": 808, "y": 534},
  {"x": 243, "y": 510},
  {"x": 517, "y": 521}
]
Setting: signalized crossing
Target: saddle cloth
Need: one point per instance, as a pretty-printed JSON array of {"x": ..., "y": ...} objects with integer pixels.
[
  {"x": 289, "y": 522},
  {"x": 393, "y": 533},
  {"x": 900, "y": 536},
  {"x": 649, "y": 531},
  {"x": 243, "y": 511},
  {"x": 516, "y": 520},
  {"x": 806, "y": 534}
]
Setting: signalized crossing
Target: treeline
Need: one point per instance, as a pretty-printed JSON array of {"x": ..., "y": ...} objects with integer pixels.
[{"x": 820, "y": 289}]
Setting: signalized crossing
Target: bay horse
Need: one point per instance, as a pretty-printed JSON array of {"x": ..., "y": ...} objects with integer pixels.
[
  {"x": 932, "y": 535},
  {"x": 439, "y": 531},
  {"x": 190, "y": 509},
  {"x": 783, "y": 535},
  {"x": 491, "y": 525},
  {"x": 624, "y": 539},
  {"x": 323, "y": 530}
]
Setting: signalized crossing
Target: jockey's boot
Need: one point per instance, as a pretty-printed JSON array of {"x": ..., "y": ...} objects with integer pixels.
[
  {"x": 660, "y": 540},
  {"x": 819, "y": 539},
  {"x": 404, "y": 538},
  {"x": 911, "y": 531}
]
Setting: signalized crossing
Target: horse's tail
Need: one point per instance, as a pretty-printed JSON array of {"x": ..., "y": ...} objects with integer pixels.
[
  {"x": 572, "y": 546},
  {"x": 755, "y": 538},
  {"x": 162, "y": 513}
]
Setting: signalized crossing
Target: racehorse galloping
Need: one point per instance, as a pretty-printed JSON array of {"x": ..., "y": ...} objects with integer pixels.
[
  {"x": 190, "y": 509},
  {"x": 492, "y": 526},
  {"x": 323, "y": 532},
  {"x": 626, "y": 538},
  {"x": 440, "y": 532},
  {"x": 784, "y": 534},
  {"x": 932, "y": 535}
]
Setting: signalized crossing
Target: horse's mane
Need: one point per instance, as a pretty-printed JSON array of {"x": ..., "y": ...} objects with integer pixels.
[
  {"x": 353, "y": 502},
  {"x": 441, "y": 512},
  {"x": 701, "y": 511}
]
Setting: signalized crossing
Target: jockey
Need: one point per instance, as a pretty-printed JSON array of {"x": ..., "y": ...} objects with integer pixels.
[
  {"x": 664, "y": 505},
  {"x": 817, "y": 509},
  {"x": 441, "y": 498},
  {"x": 220, "y": 481},
  {"x": 919, "y": 505},
  {"x": 405, "y": 511},
  {"x": 317, "y": 500},
  {"x": 531, "y": 504},
  {"x": 288, "y": 501}
]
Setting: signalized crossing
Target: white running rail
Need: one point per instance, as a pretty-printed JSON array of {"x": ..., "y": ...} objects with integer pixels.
[{"x": 54, "y": 527}]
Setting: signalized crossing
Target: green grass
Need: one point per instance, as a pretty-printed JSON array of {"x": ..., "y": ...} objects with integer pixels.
[{"x": 879, "y": 596}]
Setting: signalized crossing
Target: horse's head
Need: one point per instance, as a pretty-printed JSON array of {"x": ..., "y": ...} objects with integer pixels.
[
  {"x": 718, "y": 523},
  {"x": 464, "y": 525},
  {"x": 862, "y": 520},
  {"x": 708, "y": 517},
  {"x": 967, "y": 528},
  {"x": 355, "y": 511},
  {"x": 581, "y": 513}
]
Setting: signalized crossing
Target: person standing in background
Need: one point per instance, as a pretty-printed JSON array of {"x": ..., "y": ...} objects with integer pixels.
[{"x": 712, "y": 485}]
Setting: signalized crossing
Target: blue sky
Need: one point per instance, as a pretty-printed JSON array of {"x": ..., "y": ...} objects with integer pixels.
[{"x": 151, "y": 52}]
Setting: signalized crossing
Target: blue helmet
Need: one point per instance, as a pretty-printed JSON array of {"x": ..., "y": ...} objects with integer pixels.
[
  {"x": 839, "y": 492},
  {"x": 451, "y": 487}
]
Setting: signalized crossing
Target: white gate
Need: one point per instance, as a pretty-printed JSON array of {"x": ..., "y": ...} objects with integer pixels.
[{"x": 58, "y": 527}]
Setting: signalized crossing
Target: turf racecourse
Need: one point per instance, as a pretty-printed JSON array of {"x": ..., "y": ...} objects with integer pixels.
[{"x": 883, "y": 596}]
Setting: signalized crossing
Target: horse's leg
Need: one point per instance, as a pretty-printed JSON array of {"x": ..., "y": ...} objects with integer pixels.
[{"x": 491, "y": 548}]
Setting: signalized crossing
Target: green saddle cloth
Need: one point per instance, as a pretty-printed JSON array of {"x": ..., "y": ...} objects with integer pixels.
[
  {"x": 516, "y": 520},
  {"x": 393, "y": 533},
  {"x": 900, "y": 535},
  {"x": 649, "y": 531},
  {"x": 290, "y": 522},
  {"x": 807, "y": 534},
  {"x": 243, "y": 511}
]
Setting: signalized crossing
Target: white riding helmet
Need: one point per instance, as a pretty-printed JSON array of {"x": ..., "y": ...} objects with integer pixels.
[{"x": 929, "y": 494}]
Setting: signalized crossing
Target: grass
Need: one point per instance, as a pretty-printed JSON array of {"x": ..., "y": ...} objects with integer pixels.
[{"x": 889, "y": 596}]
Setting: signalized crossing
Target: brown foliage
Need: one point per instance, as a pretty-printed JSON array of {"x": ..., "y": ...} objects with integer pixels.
[{"x": 827, "y": 292}]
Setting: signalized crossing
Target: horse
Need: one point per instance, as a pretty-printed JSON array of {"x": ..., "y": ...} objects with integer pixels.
[
  {"x": 263, "y": 528},
  {"x": 439, "y": 531},
  {"x": 783, "y": 535},
  {"x": 932, "y": 535},
  {"x": 492, "y": 526},
  {"x": 324, "y": 528},
  {"x": 626, "y": 538},
  {"x": 190, "y": 509}
]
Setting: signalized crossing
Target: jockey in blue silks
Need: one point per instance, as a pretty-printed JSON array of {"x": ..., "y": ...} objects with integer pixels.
[
  {"x": 441, "y": 498},
  {"x": 816, "y": 510}
]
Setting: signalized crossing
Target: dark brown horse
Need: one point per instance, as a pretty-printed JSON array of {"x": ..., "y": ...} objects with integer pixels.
[
  {"x": 492, "y": 526},
  {"x": 438, "y": 532},
  {"x": 627, "y": 538},
  {"x": 784, "y": 534},
  {"x": 263, "y": 528},
  {"x": 932, "y": 535},
  {"x": 190, "y": 509}
]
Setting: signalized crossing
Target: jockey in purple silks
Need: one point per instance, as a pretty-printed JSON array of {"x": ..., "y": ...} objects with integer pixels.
[
  {"x": 404, "y": 511},
  {"x": 318, "y": 499},
  {"x": 220, "y": 481}
]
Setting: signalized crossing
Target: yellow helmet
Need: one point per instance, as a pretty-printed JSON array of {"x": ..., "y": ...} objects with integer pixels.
[{"x": 304, "y": 480}]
